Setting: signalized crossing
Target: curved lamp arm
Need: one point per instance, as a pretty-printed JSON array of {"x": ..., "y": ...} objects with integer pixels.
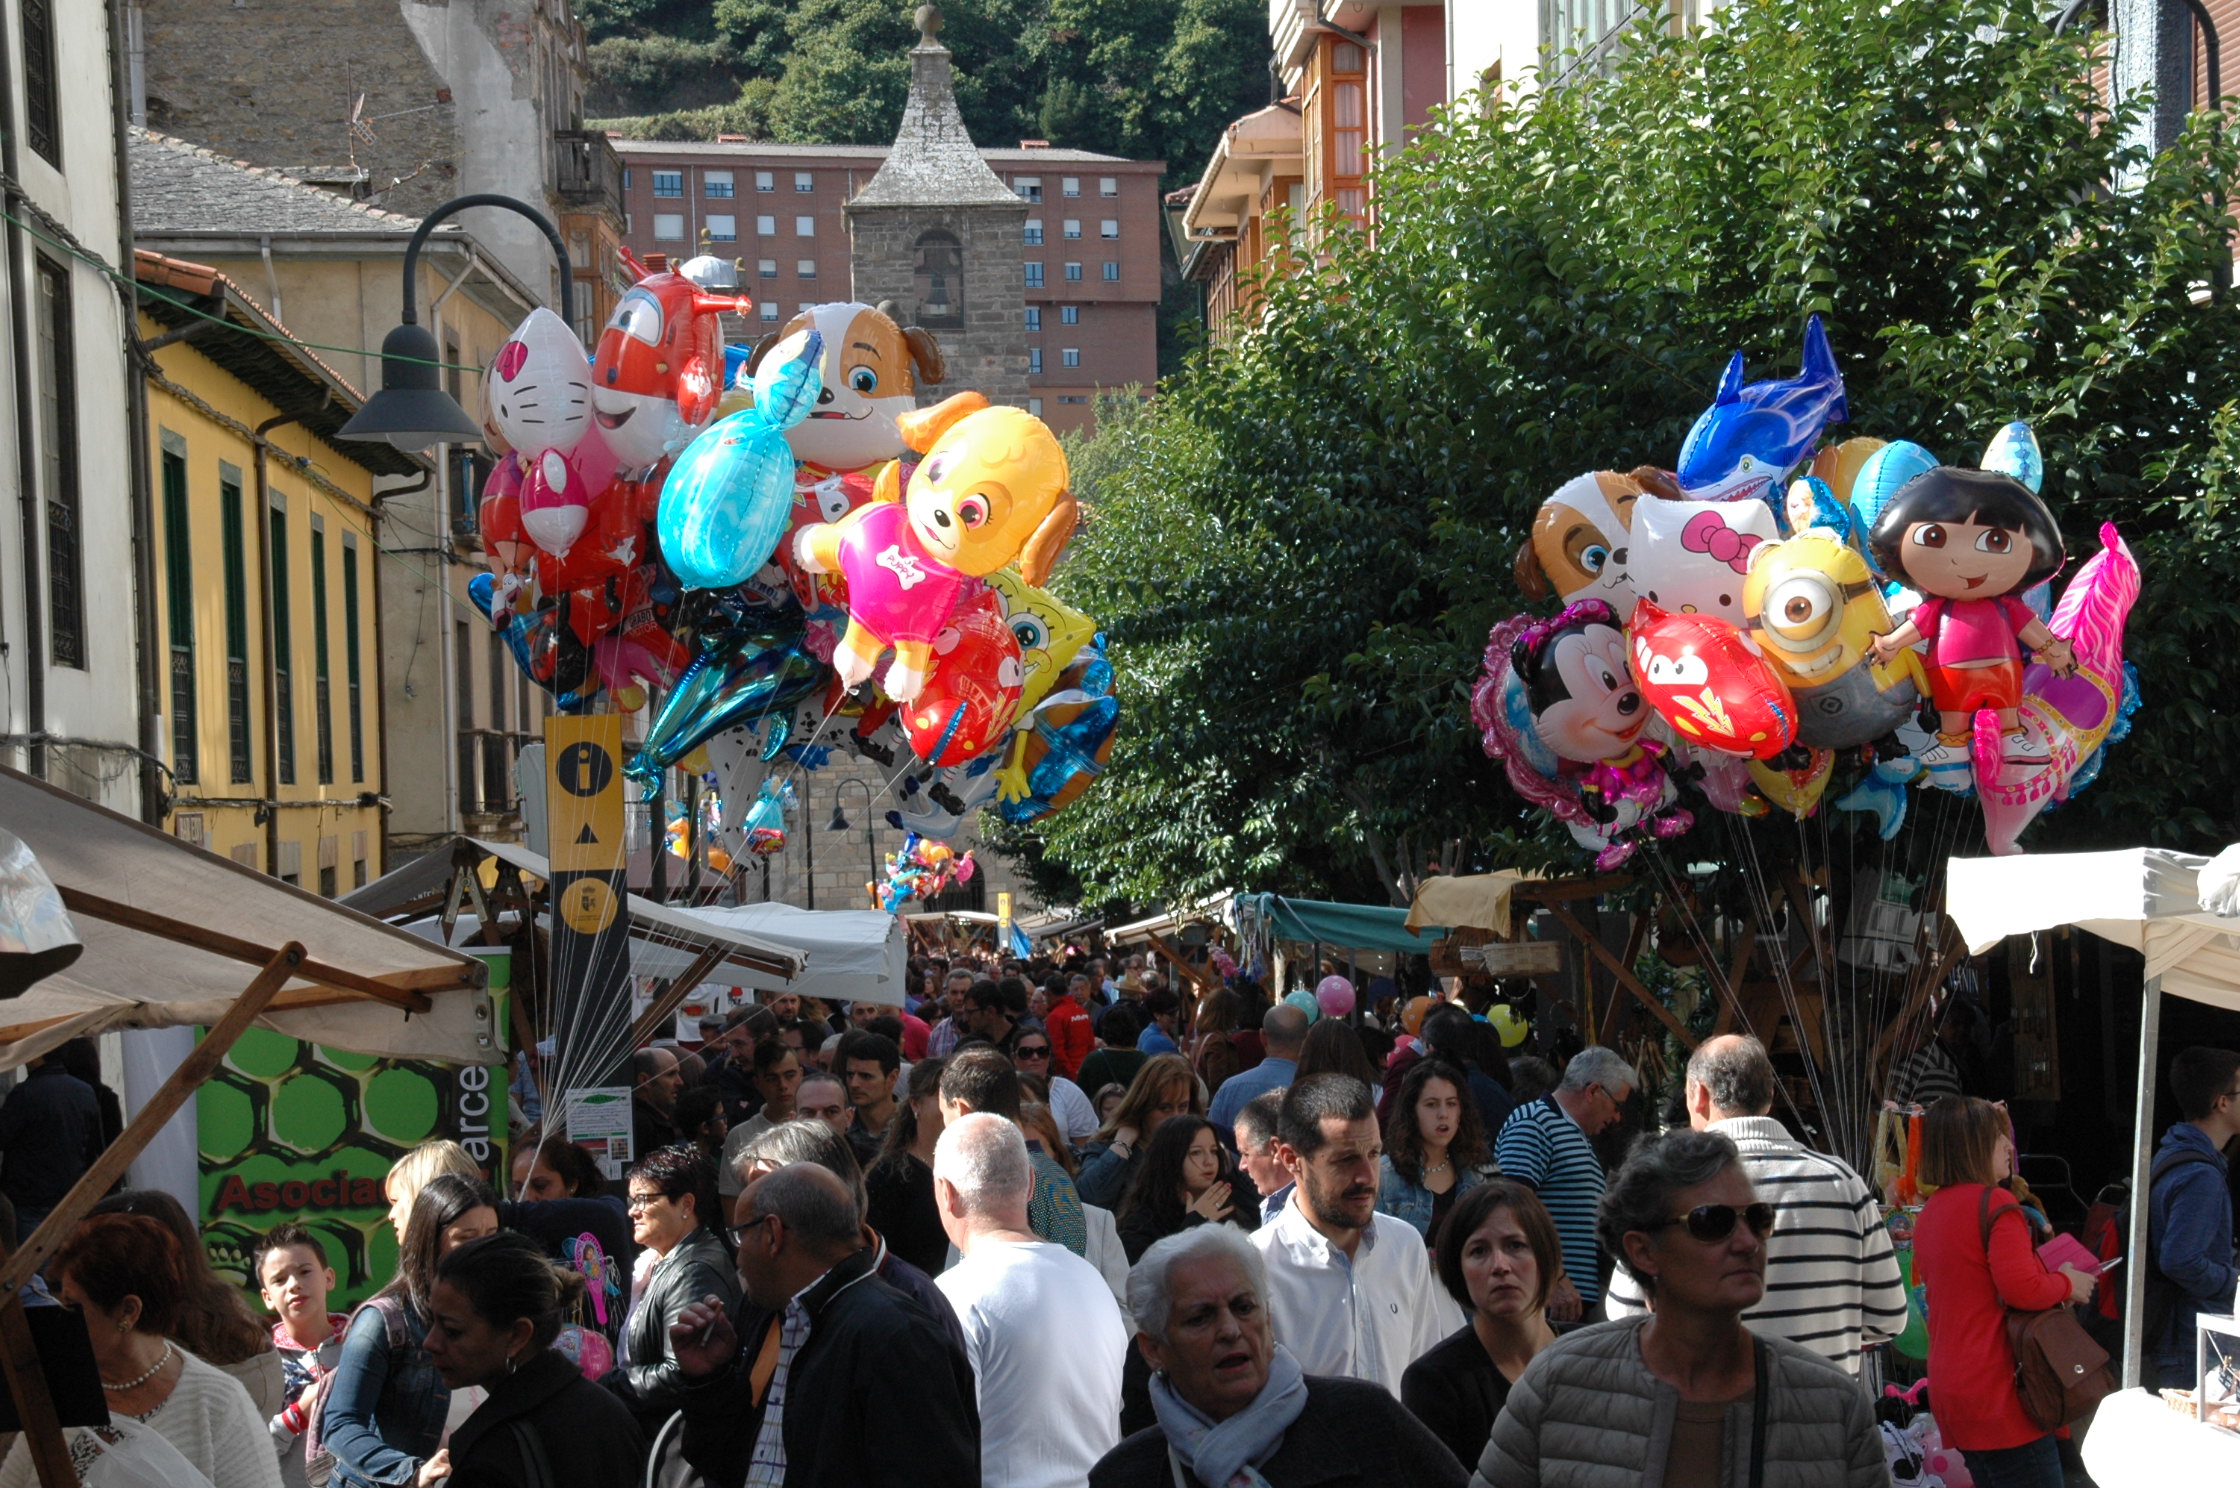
[{"x": 488, "y": 199}]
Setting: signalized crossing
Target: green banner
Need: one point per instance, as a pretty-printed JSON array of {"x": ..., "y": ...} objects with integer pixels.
[{"x": 292, "y": 1131}]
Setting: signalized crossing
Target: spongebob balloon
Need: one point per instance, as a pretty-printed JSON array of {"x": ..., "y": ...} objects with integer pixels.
[
  {"x": 1814, "y": 606},
  {"x": 1050, "y": 633}
]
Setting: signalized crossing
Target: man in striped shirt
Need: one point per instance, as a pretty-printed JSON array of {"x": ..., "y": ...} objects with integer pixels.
[
  {"x": 1544, "y": 1145},
  {"x": 1832, "y": 1283}
]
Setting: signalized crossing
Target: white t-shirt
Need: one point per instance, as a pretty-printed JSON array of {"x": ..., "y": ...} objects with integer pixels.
[
  {"x": 1076, "y": 1118},
  {"x": 1047, "y": 1344}
]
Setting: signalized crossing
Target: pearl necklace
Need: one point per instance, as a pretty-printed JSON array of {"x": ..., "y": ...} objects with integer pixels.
[
  {"x": 1439, "y": 1167},
  {"x": 136, "y": 1382}
]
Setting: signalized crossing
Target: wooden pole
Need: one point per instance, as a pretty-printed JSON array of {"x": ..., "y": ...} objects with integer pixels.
[
  {"x": 27, "y": 1384},
  {"x": 1623, "y": 973},
  {"x": 670, "y": 1000}
]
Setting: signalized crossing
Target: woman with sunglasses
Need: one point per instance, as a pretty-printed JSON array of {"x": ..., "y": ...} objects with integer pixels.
[
  {"x": 1967, "y": 1153},
  {"x": 1035, "y": 1054},
  {"x": 669, "y": 1191},
  {"x": 1727, "y": 1408}
]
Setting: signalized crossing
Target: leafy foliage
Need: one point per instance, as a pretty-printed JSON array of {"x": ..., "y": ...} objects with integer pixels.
[{"x": 1299, "y": 550}]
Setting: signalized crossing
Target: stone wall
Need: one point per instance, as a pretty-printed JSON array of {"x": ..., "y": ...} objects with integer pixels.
[{"x": 989, "y": 355}]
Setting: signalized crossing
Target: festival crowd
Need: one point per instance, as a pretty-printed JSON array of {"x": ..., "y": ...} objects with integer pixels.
[{"x": 1046, "y": 1224}]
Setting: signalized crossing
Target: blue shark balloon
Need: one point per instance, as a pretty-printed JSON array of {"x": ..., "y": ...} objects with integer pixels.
[
  {"x": 729, "y": 497},
  {"x": 740, "y": 685},
  {"x": 1753, "y": 435}
]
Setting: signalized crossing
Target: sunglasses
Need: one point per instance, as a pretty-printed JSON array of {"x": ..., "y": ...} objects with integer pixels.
[
  {"x": 1034, "y": 1051},
  {"x": 1712, "y": 1223},
  {"x": 738, "y": 1233}
]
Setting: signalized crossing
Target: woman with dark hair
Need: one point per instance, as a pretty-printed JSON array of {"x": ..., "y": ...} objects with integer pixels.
[
  {"x": 1333, "y": 1048},
  {"x": 673, "y": 1208},
  {"x": 900, "y": 1179},
  {"x": 213, "y": 1322},
  {"x": 495, "y": 1308},
  {"x": 1163, "y": 1088},
  {"x": 700, "y": 1120},
  {"x": 127, "y": 1273},
  {"x": 385, "y": 1406},
  {"x": 1499, "y": 1257},
  {"x": 1183, "y": 1181},
  {"x": 557, "y": 1168},
  {"x": 1214, "y": 1055},
  {"x": 1434, "y": 1148}
]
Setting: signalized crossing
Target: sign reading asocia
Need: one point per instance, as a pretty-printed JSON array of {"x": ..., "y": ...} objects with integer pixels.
[{"x": 340, "y": 1191}]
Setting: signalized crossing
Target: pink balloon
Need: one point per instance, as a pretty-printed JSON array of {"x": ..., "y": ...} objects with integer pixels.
[{"x": 1334, "y": 996}]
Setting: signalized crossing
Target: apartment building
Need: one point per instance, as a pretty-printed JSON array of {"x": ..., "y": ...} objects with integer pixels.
[{"x": 1089, "y": 249}]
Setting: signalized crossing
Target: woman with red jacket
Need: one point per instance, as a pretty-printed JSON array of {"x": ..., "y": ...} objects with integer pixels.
[{"x": 1965, "y": 1149}]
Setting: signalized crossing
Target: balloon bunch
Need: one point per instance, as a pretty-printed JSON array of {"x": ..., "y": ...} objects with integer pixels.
[
  {"x": 920, "y": 870},
  {"x": 1780, "y": 610},
  {"x": 739, "y": 537}
]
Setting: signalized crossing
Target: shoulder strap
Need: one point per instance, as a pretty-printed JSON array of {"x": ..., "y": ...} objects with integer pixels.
[
  {"x": 536, "y": 1468},
  {"x": 2169, "y": 1162},
  {"x": 1764, "y": 1358},
  {"x": 1986, "y": 1216}
]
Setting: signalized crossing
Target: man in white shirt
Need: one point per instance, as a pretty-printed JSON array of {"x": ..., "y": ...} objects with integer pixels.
[
  {"x": 1045, "y": 1336},
  {"x": 1349, "y": 1290}
]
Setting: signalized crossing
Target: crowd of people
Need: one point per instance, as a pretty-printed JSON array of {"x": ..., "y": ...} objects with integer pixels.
[{"x": 1043, "y": 1225}]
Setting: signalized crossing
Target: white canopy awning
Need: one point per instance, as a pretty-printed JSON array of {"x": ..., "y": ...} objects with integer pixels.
[
  {"x": 847, "y": 953},
  {"x": 173, "y": 934},
  {"x": 2142, "y": 897}
]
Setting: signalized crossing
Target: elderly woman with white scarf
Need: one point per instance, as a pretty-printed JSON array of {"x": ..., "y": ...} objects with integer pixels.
[{"x": 1234, "y": 1409}]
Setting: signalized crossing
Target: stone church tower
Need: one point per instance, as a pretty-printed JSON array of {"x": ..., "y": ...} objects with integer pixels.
[{"x": 938, "y": 233}]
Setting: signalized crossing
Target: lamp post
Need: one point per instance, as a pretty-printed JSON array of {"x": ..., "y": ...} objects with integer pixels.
[
  {"x": 412, "y": 411},
  {"x": 839, "y": 822}
]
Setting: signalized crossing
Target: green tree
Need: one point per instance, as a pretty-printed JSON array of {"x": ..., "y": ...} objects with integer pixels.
[{"x": 1298, "y": 551}]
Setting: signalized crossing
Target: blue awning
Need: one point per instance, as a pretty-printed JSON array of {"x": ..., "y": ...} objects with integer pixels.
[{"x": 1357, "y": 927}]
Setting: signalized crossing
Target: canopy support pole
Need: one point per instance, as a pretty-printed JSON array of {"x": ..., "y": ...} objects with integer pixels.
[
  {"x": 2142, "y": 1172},
  {"x": 674, "y": 995},
  {"x": 1622, "y": 973},
  {"x": 18, "y": 1359}
]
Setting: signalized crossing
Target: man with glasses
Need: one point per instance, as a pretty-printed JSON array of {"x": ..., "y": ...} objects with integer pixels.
[
  {"x": 2189, "y": 1218},
  {"x": 1546, "y": 1146},
  {"x": 1832, "y": 1281}
]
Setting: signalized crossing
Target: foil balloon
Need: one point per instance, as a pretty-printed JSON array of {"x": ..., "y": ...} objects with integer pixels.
[
  {"x": 541, "y": 645},
  {"x": 1059, "y": 752},
  {"x": 1711, "y": 683},
  {"x": 1795, "y": 785},
  {"x": 558, "y": 488},
  {"x": 1753, "y": 435},
  {"x": 1882, "y": 473},
  {"x": 1689, "y": 557},
  {"x": 2014, "y": 451},
  {"x": 973, "y": 688},
  {"x": 1578, "y": 548},
  {"x": 658, "y": 372},
  {"x": 991, "y": 490},
  {"x": 613, "y": 540},
  {"x": 1881, "y": 794},
  {"x": 1815, "y": 608},
  {"x": 1838, "y": 465},
  {"x": 728, "y": 497},
  {"x": 506, "y": 546},
  {"x": 939, "y": 804},
  {"x": 539, "y": 389},
  {"x": 1049, "y": 631},
  {"x": 765, "y": 824},
  {"x": 872, "y": 372},
  {"x": 753, "y": 679}
]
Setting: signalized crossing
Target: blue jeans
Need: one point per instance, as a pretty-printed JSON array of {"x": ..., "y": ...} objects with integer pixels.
[{"x": 2035, "y": 1465}]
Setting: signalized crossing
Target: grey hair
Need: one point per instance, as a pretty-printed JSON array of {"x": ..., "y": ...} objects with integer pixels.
[
  {"x": 804, "y": 1141},
  {"x": 1737, "y": 1072},
  {"x": 811, "y": 1202},
  {"x": 1598, "y": 1064},
  {"x": 1150, "y": 1295},
  {"x": 1260, "y": 1116},
  {"x": 1640, "y": 1196},
  {"x": 985, "y": 1158}
]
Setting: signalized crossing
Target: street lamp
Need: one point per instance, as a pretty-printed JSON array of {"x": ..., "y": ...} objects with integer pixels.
[
  {"x": 412, "y": 411},
  {"x": 839, "y": 822}
]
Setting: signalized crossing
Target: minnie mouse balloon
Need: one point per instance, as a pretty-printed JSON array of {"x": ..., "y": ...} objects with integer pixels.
[
  {"x": 1709, "y": 681},
  {"x": 972, "y": 691}
]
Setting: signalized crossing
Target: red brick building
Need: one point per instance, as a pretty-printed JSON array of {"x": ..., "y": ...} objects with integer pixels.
[{"x": 1089, "y": 255}]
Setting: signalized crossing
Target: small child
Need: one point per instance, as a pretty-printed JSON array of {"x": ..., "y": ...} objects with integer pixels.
[{"x": 295, "y": 1280}]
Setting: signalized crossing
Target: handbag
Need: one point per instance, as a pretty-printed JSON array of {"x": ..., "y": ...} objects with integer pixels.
[{"x": 2060, "y": 1374}]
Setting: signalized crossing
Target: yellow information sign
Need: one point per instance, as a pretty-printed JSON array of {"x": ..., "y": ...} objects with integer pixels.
[{"x": 583, "y": 798}]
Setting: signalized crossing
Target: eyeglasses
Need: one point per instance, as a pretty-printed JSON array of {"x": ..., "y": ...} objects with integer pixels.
[
  {"x": 638, "y": 1201},
  {"x": 1712, "y": 1223},
  {"x": 1034, "y": 1051},
  {"x": 739, "y": 1233}
]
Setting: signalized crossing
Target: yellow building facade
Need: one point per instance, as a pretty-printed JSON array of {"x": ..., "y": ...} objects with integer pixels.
[{"x": 268, "y": 601}]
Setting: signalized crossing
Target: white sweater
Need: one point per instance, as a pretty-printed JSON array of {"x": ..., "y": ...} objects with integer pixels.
[{"x": 208, "y": 1417}]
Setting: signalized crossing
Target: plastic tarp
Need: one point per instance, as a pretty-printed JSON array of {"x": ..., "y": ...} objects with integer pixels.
[
  {"x": 131, "y": 977},
  {"x": 847, "y": 954},
  {"x": 1359, "y": 927},
  {"x": 2143, "y": 897},
  {"x": 1478, "y": 901}
]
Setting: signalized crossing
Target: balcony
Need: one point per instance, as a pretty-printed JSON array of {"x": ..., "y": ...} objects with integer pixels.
[{"x": 586, "y": 173}]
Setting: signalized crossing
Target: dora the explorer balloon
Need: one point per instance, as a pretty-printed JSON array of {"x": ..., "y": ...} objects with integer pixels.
[
  {"x": 1971, "y": 541},
  {"x": 991, "y": 489}
]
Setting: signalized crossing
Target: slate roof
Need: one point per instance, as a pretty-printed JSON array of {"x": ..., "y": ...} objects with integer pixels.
[
  {"x": 179, "y": 187},
  {"x": 934, "y": 162}
]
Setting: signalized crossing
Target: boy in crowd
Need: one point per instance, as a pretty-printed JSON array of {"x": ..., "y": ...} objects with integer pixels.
[{"x": 295, "y": 1281}]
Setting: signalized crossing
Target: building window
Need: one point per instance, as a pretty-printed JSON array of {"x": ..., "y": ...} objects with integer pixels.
[
  {"x": 1071, "y": 185},
  {"x": 1034, "y": 317},
  {"x": 1034, "y": 406},
  {"x": 717, "y": 183},
  {"x": 766, "y": 227},
  {"x": 722, "y": 228},
  {"x": 1112, "y": 273},
  {"x": 232, "y": 533},
  {"x": 769, "y": 311},
  {"x": 1349, "y": 129},
  {"x": 1070, "y": 356},
  {"x": 668, "y": 227},
  {"x": 322, "y": 698},
  {"x": 767, "y": 268},
  {"x": 1034, "y": 361},
  {"x": 626, "y": 178},
  {"x": 58, "y": 408},
  {"x": 1034, "y": 232},
  {"x": 497, "y": 750},
  {"x": 465, "y": 740},
  {"x": 937, "y": 276},
  {"x": 765, "y": 181},
  {"x": 804, "y": 227},
  {"x": 1028, "y": 187},
  {"x": 1073, "y": 271},
  {"x": 804, "y": 181},
  {"x": 39, "y": 103},
  {"x": 1109, "y": 228},
  {"x": 178, "y": 562},
  {"x": 1069, "y": 314},
  {"x": 351, "y": 661},
  {"x": 1073, "y": 397},
  {"x": 1073, "y": 227},
  {"x": 668, "y": 183},
  {"x": 805, "y": 268},
  {"x": 283, "y": 655},
  {"x": 1034, "y": 276},
  {"x": 1108, "y": 185}
]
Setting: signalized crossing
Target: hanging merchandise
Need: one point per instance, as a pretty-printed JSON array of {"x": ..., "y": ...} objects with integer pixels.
[
  {"x": 741, "y": 679},
  {"x": 727, "y": 499},
  {"x": 919, "y": 870},
  {"x": 765, "y": 823}
]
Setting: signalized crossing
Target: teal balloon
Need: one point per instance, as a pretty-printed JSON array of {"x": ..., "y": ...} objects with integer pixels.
[
  {"x": 2014, "y": 451},
  {"x": 1883, "y": 472},
  {"x": 729, "y": 496},
  {"x": 744, "y": 684}
]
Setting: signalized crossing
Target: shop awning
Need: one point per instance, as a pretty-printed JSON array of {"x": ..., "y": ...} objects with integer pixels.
[
  {"x": 846, "y": 953},
  {"x": 1476, "y": 901},
  {"x": 1358, "y": 927},
  {"x": 173, "y": 934}
]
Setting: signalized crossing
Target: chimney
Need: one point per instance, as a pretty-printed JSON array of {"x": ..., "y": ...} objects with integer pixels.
[{"x": 1034, "y": 144}]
